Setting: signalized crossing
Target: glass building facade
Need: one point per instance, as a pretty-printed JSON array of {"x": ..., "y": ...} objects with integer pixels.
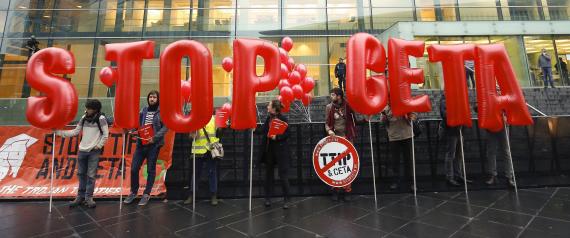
[{"x": 319, "y": 28}]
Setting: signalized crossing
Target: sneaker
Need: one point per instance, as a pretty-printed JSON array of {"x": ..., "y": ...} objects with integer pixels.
[
  {"x": 453, "y": 182},
  {"x": 393, "y": 186},
  {"x": 130, "y": 199},
  {"x": 491, "y": 181},
  {"x": 214, "y": 200},
  {"x": 188, "y": 200},
  {"x": 90, "y": 203},
  {"x": 511, "y": 183},
  {"x": 144, "y": 200},
  {"x": 286, "y": 204},
  {"x": 267, "y": 202},
  {"x": 78, "y": 201}
]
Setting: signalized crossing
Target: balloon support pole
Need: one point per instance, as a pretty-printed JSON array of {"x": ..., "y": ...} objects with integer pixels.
[
  {"x": 415, "y": 188},
  {"x": 194, "y": 182},
  {"x": 463, "y": 160},
  {"x": 511, "y": 156},
  {"x": 52, "y": 174},
  {"x": 250, "y": 170},
  {"x": 122, "y": 170},
  {"x": 373, "y": 167}
]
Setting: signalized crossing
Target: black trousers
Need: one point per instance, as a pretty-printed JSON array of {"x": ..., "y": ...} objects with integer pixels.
[
  {"x": 401, "y": 149},
  {"x": 270, "y": 163}
]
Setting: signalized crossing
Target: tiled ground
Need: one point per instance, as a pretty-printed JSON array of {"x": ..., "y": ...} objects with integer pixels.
[{"x": 492, "y": 213}]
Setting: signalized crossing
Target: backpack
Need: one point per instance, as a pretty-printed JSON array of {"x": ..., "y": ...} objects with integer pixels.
[{"x": 108, "y": 119}]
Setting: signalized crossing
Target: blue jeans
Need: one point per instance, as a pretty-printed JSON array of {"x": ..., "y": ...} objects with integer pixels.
[
  {"x": 150, "y": 153},
  {"x": 497, "y": 144},
  {"x": 212, "y": 167},
  {"x": 86, "y": 171},
  {"x": 451, "y": 162},
  {"x": 547, "y": 73}
]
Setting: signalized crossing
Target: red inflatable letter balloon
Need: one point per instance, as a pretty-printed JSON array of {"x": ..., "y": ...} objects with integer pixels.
[
  {"x": 401, "y": 76},
  {"x": 201, "y": 89},
  {"x": 59, "y": 106},
  {"x": 452, "y": 58},
  {"x": 247, "y": 83},
  {"x": 128, "y": 57},
  {"x": 493, "y": 62},
  {"x": 367, "y": 95}
]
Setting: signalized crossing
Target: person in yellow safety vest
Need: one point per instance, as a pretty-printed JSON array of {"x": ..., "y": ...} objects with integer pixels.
[{"x": 203, "y": 156}]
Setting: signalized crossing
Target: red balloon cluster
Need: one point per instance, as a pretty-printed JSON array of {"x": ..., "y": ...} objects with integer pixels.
[
  {"x": 186, "y": 90},
  {"x": 294, "y": 83}
]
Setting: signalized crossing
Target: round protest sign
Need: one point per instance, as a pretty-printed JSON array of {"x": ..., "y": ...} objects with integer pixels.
[{"x": 335, "y": 161}]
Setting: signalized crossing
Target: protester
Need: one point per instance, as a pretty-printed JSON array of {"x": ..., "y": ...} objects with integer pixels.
[
  {"x": 275, "y": 151},
  {"x": 340, "y": 73},
  {"x": 400, "y": 141},
  {"x": 147, "y": 148},
  {"x": 200, "y": 147},
  {"x": 452, "y": 137},
  {"x": 94, "y": 133},
  {"x": 545, "y": 63},
  {"x": 340, "y": 121}
]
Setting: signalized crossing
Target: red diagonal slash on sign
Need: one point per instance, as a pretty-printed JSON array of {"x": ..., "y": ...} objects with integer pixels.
[{"x": 335, "y": 160}]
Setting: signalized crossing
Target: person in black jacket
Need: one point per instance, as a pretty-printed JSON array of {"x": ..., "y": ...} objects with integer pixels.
[
  {"x": 275, "y": 151},
  {"x": 452, "y": 137},
  {"x": 340, "y": 73}
]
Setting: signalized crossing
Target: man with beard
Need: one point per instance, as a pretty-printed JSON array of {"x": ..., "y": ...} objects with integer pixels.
[
  {"x": 340, "y": 121},
  {"x": 147, "y": 148},
  {"x": 95, "y": 132}
]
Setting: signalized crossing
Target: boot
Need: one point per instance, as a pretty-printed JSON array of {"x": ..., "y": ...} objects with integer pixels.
[
  {"x": 267, "y": 202},
  {"x": 214, "y": 200},
  {"x": 492, "y": 180},
  {"x": 452, "y": 182},
  {"x": 78, "y": 201},
  {"x": 188, "y": 200},
  {"x": 511, "y": 182},
  {"x": 90, "y": 203}
]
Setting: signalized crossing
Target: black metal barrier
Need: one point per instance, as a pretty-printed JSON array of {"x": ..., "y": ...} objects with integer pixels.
[{"x": 540, "y": 155}]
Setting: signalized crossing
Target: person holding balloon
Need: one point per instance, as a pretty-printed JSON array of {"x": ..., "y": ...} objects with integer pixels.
[
  {"x": 94, "y": 133},
  {"x": 275, "y": 151},
  {"x": 340, "y": 121},
  {"x": 400, "y": 142},
  {"x": 147, "y": 148}
]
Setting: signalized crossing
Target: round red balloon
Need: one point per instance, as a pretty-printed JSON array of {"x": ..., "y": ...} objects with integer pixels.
[
  {"x": 287, "y": 43},
  {"x": 307, "y": 99},
  {"x": 298, "y": 91},
  {"x": 185, "y": 90},
  {"x": 284, "y": 71},
  {"x": 227, "y": 64},
  {"x": 294, "y": 78},
  {"x": 283, "y": 83},
  {"x": 308, "y": 84},
  {"x": 302, "y": 69},
  {"x": 283, "y": 55},
  {"x": 290, "y": 63},
  {"x": 286, "y": 94},
  {"x": 107, "y": 76}
]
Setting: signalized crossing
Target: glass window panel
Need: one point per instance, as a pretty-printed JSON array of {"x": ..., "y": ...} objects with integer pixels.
[
  {"x": 2, "y": 21},
  {"x": 219, "y": 19},
  {"x": 77, "y": 4},
  {"x": 520, "y": 10},
  {"x": 254, "y": 21},
  {"x": 75, "y": 21},
  {"x": 298, "y": 17},
  {"x": 30, "y": 4},
  {"x": 383, "y": 18},
  {"x": 258, "y": 3},
  {"x": 4, "y": 4},
  {"x": 12, "y": 81},
  {"x": 392, "y": 3},
  {"x": 558, "y": 9},
  {"x": 28, "y": 21},
  {"x": 478, "y": 10},
  {"x": 342, "y": 18},
  {"x": 15, "y": 51},
  {"x": 516, "y": 52},
  {"x": 563, "y": 49},
  {"x": 304, "y": 3},
  {"x": 81, "y": 49},
  {"x": 477, "y": 3}
]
